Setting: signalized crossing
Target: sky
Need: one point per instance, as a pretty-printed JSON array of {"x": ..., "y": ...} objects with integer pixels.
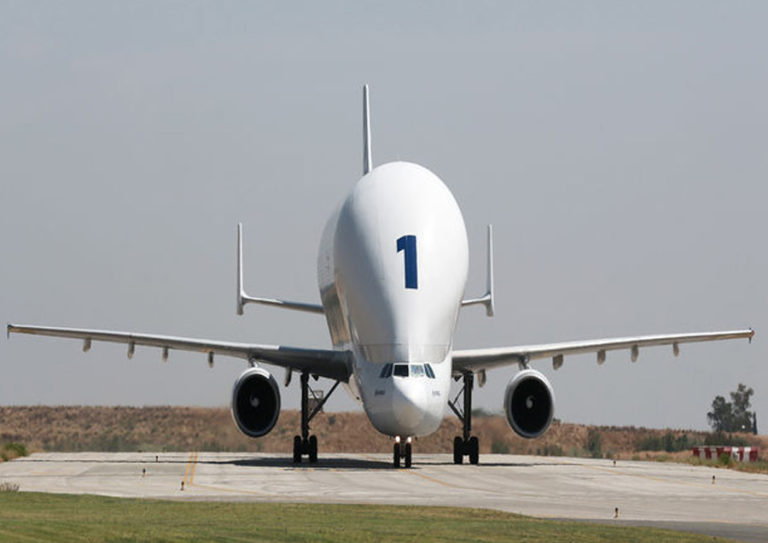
[{"x": 618, "y": 148}]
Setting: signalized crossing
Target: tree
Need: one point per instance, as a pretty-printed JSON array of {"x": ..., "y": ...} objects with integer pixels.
[{"x": 733, "y": 416}]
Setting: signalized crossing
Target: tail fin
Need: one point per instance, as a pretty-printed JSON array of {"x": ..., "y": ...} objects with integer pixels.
[{"x": 367, "y": 158}]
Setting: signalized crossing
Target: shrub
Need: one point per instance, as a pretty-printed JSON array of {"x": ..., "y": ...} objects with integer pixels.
[
  {"x": 9, "y": 487},
  {"x": 594, "y": 443},
  {"x": 13, "y": 450},
  {"x": 552, "y": 450},
  {"x": 668, "y": 442},
  {"x": 721, "y": 438},
  {"x": 499, "y": 446}
]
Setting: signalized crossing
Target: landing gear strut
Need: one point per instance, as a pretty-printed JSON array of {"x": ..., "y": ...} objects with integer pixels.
[
  {"x": 402, "y": 450},
  {"x": 465, "y": 445},
  {"x": 306, "y": 444}
]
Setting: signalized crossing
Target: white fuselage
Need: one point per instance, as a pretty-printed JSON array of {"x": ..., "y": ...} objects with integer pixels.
[{"x": 392, "y": 268}]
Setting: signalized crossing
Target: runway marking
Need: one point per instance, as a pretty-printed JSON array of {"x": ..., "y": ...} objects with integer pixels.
[
  {"x": 431, "y": 479},
  {"x": 192, "y": 473},
  {"x": 425, "y": 477},
  {"x": 189, "y": 473}
]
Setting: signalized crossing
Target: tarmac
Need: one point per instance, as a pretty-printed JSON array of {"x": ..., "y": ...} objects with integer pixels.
[{"x": 667, "y": 495}]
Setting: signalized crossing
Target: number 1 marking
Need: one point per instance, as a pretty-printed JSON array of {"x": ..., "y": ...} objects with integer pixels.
[{"x": 407, "y": 244}]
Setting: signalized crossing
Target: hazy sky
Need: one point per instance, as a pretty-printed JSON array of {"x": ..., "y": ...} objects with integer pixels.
[{"x": 619, "y": 149}]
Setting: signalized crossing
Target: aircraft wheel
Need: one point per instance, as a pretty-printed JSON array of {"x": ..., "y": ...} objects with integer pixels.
[
  {"x": 407, "y": 455},
  {"x": 396, "y": 456},
  {"x": 297, "y": 450},
  {"x": 458, "y": 453},
  {"x": 312, "y": 449},
  {"x": 474, "y": 450}
]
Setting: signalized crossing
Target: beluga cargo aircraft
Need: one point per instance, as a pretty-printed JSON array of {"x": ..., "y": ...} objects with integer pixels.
[{"x": 392, "y": 268}]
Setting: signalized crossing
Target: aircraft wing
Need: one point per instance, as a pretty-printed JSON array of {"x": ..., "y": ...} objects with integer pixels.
[
  {"x": 324, "y": 363},
  {"x": 483, "y": 359}
]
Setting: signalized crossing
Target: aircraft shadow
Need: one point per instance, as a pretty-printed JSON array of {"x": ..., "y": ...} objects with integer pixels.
[{"x": 321, "y": 464}]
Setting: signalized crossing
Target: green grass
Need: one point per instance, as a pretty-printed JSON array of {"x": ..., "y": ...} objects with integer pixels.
[{"x": 32, "y": 517}]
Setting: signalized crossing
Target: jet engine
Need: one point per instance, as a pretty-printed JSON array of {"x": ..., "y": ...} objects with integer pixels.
[
  {"x": 529, "y": 403},
  {"x": 255, "y": 402}
]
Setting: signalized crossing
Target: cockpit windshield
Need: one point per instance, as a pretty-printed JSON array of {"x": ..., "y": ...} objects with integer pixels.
[{"x": 406, "y": 370}]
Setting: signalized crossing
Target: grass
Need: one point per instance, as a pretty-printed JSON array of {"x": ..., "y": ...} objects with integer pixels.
[{"x": 33, "y": 517}]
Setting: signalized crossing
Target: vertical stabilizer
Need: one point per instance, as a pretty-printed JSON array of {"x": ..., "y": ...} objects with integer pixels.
[{"x": 367, "y": 159}]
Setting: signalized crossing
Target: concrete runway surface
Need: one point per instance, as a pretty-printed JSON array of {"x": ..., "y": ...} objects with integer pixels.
[{"x": 667, "y": 495}]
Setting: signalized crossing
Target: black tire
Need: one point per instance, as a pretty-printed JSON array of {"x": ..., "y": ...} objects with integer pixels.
[
  {"x": 474, "y": 450},
  {"x": 458, "y": 452},
  {"x": 396, "y": 456},
  {"x": 408, "y": 451},
  {"x": 312, "y": 449},
  {"x": 297, "y": 450}
]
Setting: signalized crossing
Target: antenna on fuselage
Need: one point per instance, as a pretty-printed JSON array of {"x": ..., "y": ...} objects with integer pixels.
[{"x": 367, "y": 159}]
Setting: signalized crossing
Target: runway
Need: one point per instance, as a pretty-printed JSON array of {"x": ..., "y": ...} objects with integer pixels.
[{"x": 667, "y": 495}]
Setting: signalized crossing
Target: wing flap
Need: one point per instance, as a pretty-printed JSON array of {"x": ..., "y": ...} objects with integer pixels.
[
  {"x": 483, "y": 359},
  {"x": 324, "y": 363}
]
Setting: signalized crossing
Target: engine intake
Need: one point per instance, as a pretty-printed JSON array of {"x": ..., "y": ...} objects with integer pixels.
[
  {"x": 255, "y": 402},
  {"x": 529, "y": 403}
]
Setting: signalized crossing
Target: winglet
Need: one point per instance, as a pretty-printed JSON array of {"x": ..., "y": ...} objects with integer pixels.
[
  {"x": 243, "y": 298},
  {"x": 367, "y": 159},
  {"x": 240, "y": 292},
  {"x": 489, "y": 309},
  {"x": 487, "y": 298}
]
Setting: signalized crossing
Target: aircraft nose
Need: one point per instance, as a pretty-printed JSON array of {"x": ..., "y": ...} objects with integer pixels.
[{"x": 409, "y": 406}]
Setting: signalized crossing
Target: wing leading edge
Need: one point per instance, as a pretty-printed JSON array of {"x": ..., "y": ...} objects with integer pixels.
[
  {"x": 320, "y": 362},
  {"x": 483, "y": 359}
]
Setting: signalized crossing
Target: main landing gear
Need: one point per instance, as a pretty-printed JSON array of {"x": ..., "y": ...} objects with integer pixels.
[
  {"x": 465, "y": 445},
  {"x": 306, "y": 444},
  {"x": 402, "y": 451}
]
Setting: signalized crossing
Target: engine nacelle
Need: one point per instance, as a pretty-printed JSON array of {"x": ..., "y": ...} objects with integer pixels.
[
  {"x": 529, "y": 403},
  {"x": 255, "y": 402}
]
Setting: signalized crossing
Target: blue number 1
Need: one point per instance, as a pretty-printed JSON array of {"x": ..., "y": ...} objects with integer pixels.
[{"x": 408, "y": 245}]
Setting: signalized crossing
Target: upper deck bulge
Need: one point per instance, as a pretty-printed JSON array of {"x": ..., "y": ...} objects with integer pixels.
[{"x": 393, "y": 265}]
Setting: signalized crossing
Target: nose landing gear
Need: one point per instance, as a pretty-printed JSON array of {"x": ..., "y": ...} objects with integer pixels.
[{"x": 402, "y": 450}]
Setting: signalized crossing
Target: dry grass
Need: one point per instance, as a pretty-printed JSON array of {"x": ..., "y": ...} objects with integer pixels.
[{"x": 74, "y": 428}]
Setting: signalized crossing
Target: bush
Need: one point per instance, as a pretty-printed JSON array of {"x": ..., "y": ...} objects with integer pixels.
[
  {"x": 721, "y": 438},
  {"x": 499, "y": 446},
  {"x": 552, "y": 450},
  {"x": 668, "y": 442},
  {"x": 9, "y": 487},
  {"x": 13, "y": 450},
  {"x": 594, "y": 443}
]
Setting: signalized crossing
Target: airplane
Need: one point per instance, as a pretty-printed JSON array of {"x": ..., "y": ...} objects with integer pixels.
[{"x": 392, "y": 268}]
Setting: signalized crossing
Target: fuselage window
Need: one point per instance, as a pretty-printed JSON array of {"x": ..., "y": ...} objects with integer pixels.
[
  {"x": 417, "y": 370},
  {"x": 386, "y": 371},
  {"x": 401, "y": 370},
  {"x": 428, "y": 369}
]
